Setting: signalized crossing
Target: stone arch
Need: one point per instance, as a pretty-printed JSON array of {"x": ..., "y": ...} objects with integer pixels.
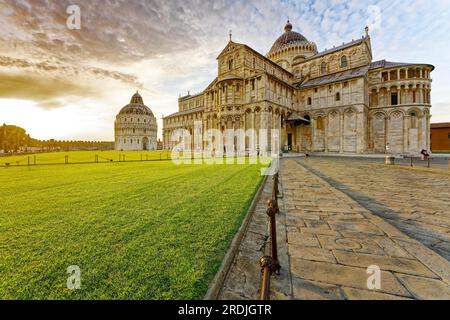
[
  {"x": 306, "y": 133},
  {"x": 414, "y": 127},
  {"x": 319, "y": 114},
  {"x": 395, "y": 131},
  {"x": 350, "y": 109},
  {"x": 415, "y": 110},
  {"x": 395, "y": 111},
  {"x": 350, "y": 130},
  {"x": 333, "y": 131},
  {"x": 319, "y": 131},
  {"x": 378, "y": 113},
  {"x": 323, "y": 67},
  {"x": 145, "y": 144},
  {"x": 343, "y": 61},
  {"x": 333, "y": 112},
  {"x": 378, "y": 131}
]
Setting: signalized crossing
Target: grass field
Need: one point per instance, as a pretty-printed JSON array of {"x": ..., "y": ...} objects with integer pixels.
[
  {"x": 143, "y": 230},
  {"x": 83, "y": 157}
]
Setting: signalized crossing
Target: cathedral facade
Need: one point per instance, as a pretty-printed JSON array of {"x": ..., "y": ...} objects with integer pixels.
[
  {"x": 336, "y": 101},
  {"x": 135, "y": 127}
]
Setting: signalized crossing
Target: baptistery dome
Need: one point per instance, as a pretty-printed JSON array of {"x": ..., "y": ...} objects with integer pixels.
[
  {"x": 135, "y": 127},
  {"x": 136, "y": 106},
  {"x": 291, "y": 47}
]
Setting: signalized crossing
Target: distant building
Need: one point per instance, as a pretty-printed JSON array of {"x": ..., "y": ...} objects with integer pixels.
[
  {"x": 338, "y": 100},
  {"x": 160, "y": 144},
  {"x": 440, "y": 136},
  {"x": 135, "y": 127}
]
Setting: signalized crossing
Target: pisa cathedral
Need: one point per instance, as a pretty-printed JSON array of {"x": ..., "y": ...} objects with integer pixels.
[{"x": 337, "y": 100}]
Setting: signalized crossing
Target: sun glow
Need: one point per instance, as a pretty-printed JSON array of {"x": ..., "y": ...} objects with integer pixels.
[{"x": 61, "y": 123}]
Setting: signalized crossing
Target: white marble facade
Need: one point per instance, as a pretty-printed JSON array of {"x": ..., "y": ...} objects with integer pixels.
[{"x": 336, "y": 101}]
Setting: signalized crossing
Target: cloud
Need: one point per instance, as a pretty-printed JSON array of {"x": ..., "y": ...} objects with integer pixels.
[
  {"x": 68, "y": 71},
  {"x": 116, "y": 31},
  {"x": 46, "y": 92}
]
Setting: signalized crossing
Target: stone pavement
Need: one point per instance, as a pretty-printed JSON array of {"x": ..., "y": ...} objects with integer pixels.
[
  {"x": 326, "y": 242},
  {"x": 416, "y": 202}
]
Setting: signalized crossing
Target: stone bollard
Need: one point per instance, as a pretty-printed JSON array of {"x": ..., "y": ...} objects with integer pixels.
[{"x": 390, "y": 160}]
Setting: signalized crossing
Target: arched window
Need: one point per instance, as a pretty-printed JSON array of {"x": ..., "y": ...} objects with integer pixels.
[
  {"x": 344, "y": 62},
  {"x": 319, "y": 123},
  {"x": 323, "y": 67},
  {"x": 338, "y": 96},
  {"x": 309, "y": 101},
  {"x": 230, "y": 64},
  {"x": 134, "y": 130}
]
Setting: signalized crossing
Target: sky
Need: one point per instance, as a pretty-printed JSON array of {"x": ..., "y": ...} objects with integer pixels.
[{"x": 64, "y": 83}]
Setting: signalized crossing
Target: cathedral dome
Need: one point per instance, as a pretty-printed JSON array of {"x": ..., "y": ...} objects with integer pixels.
[
  {"x": 291, "y": 48},
  {"x": 136, "y": 106},
  {"x": 287, "y": 39}
]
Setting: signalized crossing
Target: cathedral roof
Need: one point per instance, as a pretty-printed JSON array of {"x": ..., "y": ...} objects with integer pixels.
[
  {"x": 334, "y": 77},
  {"x": 338, "y": 48},
  {"x": 389, "y": 64},
  {"x": 288, "y": 38},
  {"x": 136, "y": 106},
  {"x": 230, "y": 77},
  {"x": 185, "y": 112}
]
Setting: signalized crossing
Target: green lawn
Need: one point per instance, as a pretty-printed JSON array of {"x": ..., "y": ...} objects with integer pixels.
[{"x": 143, "y": 230}]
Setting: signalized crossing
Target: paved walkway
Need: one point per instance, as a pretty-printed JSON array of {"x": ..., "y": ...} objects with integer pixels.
[
  {"x": 416, "y": 202},
  {"x": 326, "y": 241}
]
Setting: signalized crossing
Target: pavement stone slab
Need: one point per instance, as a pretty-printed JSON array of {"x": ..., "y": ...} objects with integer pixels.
[
  {"x": 400, "y": 265},
  {"x": 310, "y": 290},
  {"x": 358, "y": 294}
]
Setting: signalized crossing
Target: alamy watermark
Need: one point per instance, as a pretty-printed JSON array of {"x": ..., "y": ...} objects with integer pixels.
[
  {"x": 374, "y": 280},
  {"x": 374, "y": 19},
  {"x": 226, "y": 146},
  {"x": 73, "y": 21},
  {"x": 74, "y": 279}
]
